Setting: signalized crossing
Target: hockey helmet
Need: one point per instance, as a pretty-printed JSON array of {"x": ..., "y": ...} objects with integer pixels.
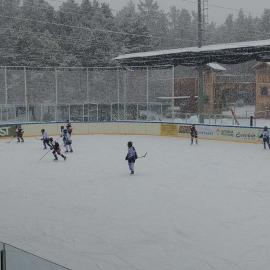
[
  {"x": 265, "y": 128},
  {"x": 43, "y": 130},
  {"x": 129, "y": 144},
  {"x": 51, "y": 139}
]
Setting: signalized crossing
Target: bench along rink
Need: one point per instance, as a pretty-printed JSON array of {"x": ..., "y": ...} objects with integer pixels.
[{"x": 187, "y": 207}]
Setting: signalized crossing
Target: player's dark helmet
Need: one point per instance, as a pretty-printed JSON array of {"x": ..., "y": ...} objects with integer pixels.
[
  {"x": 51, "y": 139},
  {"x": 43, "y": 130},
  {"x": 129, "y": 144},
  {"x": 265, "y": 128}
]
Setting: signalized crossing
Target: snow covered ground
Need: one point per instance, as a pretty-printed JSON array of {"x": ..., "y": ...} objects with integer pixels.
[{"x": 201, "y": 207}]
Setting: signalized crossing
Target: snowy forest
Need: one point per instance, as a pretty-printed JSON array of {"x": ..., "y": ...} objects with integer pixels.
[{"x": 34, "y": 33}]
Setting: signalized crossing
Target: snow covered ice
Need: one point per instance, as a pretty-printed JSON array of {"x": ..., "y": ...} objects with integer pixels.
[{"x": 187, "y": 207}]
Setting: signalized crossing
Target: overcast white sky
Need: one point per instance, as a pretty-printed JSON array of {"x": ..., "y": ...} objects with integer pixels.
[{"x": 215, "y": 14}]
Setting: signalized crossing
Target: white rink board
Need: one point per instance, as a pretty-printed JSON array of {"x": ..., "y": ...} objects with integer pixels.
[{"x": 227, "y": 133}]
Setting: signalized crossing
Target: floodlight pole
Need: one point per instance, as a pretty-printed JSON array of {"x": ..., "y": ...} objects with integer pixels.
[{"x": 200, "y": 66}]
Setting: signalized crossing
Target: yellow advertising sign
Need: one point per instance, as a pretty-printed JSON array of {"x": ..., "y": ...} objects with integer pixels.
[{"x": 168, "y": 130}]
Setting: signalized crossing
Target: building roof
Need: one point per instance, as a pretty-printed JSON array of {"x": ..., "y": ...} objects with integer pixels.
[
  {"x": 228, "y": 53},
  {"x": 261, "y": 64}
]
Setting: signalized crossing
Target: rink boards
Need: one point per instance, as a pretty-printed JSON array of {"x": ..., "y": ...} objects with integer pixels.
[{"x": 224, "y": 133}]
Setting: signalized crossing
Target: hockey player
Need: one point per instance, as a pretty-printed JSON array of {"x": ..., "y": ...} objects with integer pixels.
[
  {"x": 56, "y": 150},
  {"x": 131, "y": 157},
  {"x": 67, "y": 141},
  {"x": 45, "y": 138},
  {"x": 19, "y": 134},
  {"x": 265, "y": 136},
  {"x": 69, "y": 127},
  {"x": 193, "y": 134}
]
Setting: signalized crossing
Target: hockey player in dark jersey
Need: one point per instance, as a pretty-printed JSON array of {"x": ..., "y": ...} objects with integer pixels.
[
  {"x": 193, "y": 134},
  {"x": 19, "y": 134},
  {"x": 56, "y": 150},
  {"x": 131, "y": 157},
  {"x": 265, "y": 136},
  {"x": 45, "y": 138}
]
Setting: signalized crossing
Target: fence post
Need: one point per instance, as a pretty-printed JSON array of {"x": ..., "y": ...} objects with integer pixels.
[
  {"x": 25, "y": 95},
  {"x": 111, "y": 112},
  {"x": 56, "y": 94},
  {"x": 87, "y": 85},
  {"x": 147, "y": 92},
  {"x": 97, "y": 113},
  {"x": 118, "y": 94},
  {"x": 6, "y": 87},
  {"x": 125, "y": 95},
  {"x": 69, "y": 111},
  {"x": 83, "y": 113},
  {"x": 41, "y": 112},
  {"x": 138, "y": 111},
  {"x": 173, "y": 75}
]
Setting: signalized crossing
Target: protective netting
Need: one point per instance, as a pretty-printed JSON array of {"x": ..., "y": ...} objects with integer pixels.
[{"x": 157, "y": 93}]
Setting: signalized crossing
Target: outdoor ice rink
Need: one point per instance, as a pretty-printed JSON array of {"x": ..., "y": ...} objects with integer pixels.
[{"x": 188, "y": 207}]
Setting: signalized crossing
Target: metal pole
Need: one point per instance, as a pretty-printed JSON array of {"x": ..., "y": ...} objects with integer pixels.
[
  {"x": 25, "y": 95},
  {"x": 83, "y": 113},
  {"x": 6, "y": 87},
  {"x": 147, "y": 92},
  {"x": 111, "y": 112},
  {"x": 118, "y": 94},
  {"x": 56, "y": 94},
  {"x": 41, "y": 112},
  {"x": 173, "y": 90},
  {"x": 69, "y": 111},
  {"x": 200, "y": 31},
  {"x": 97, "y": 113},
  {"x": 87, "y": 86},
  {"x": 125, "y": 96},
  {"x": 200, "y": 67}
]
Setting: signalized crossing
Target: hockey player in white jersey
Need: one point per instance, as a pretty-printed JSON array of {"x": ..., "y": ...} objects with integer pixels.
[
  {"x": 45, "y": 138},
  {"x": 67, "y": 141}
]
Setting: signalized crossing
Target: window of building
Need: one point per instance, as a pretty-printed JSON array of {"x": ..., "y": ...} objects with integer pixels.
[{"x": 264, "y": 91}]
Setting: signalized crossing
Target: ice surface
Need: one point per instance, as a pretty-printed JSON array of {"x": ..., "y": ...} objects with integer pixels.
[{"x": 188, "y": 207}]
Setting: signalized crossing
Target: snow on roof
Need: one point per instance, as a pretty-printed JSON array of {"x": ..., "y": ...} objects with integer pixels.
[
  {"x": 214, "y": 47},
  {"x": 216, "y": 66}
]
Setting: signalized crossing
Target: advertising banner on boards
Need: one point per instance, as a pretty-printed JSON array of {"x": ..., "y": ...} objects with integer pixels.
[
  {"x": 241, "y": 134},
  {"x": 7, "y": 131}
]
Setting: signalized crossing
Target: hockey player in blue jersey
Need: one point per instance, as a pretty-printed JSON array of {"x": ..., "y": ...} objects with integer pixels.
[
  {"x": 131, "y": 157},
  {"x": 67, "y": 141},
  {"x": 265, "y": 136}
]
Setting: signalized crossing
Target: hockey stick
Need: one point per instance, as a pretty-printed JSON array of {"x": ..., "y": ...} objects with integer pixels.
[
  {"x": 45, "y": 154},
  {"x": 144, "y": 156},
  {"x": 48, "y": 152}
]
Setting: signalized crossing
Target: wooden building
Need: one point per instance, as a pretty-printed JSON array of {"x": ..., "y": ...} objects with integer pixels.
[{"x": 262, "y": 88}]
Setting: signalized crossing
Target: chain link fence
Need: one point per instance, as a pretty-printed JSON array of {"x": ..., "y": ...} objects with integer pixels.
[{"x": 158, "y": 93}]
